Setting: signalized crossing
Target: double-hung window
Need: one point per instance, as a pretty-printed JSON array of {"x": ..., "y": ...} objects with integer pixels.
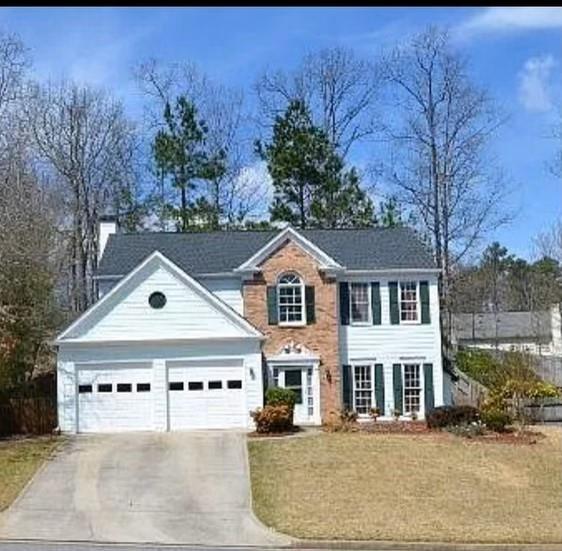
[
  {"x": 362, "y": 388},
  {"x": 409, "y": 308},
  {"x": 412, "y": 388},
  {"x": 290, "y": 293},
  {"x": 359, "y": 303}
]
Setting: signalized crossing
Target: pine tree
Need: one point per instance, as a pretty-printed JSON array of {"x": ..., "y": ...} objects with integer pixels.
[
  {"x": 180, "y": 154},
  {"x": 312, "y": 188}
]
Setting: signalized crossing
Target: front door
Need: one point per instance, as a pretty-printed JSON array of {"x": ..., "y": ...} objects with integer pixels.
[{"x": 299, "y": 380}]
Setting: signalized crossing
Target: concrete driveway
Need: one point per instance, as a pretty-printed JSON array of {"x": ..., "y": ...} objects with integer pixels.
[{"x": 176, "y": 488}]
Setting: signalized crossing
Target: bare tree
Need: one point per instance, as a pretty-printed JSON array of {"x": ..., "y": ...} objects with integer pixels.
[
  {"x": 233, "y": 195},
  {"x": 440, "y": 134},
  {"x": 84, "y": 137},
  {"x": 549, "y": 243},
  {"x": 339, "y": 88}
]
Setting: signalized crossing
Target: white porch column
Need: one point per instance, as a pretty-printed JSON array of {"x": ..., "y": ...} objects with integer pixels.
[{"x": 160, "y": 395}]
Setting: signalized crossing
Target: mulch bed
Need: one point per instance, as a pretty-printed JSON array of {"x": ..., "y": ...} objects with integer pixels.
[
  {"x": 527, "y": 437},
  {"x": 395, "y": 427},
  {"x": 255, "y": 434}
]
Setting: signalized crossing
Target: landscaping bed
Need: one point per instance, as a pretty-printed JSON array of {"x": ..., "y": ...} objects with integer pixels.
[
  {"x": 19, "y": 460},
  {"x": 431, "y": 486}
]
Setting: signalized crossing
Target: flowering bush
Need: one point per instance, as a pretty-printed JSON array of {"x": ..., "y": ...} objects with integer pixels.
[{"x": 273, "y": 419}]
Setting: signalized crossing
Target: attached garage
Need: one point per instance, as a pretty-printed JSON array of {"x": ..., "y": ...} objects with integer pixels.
[
  {"x": 186, "y": 361},
  {"x": 206, "y": 397},
  {"x": 115, "y": 397}
]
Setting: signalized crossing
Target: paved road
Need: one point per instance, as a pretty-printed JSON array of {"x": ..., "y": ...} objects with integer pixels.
[{"x": 158, "y": 488}]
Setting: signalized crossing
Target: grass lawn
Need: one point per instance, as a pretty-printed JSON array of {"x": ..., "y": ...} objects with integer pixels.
[
  {"x": 19, "y": 459},
  {"x": 405, "y": 487}
]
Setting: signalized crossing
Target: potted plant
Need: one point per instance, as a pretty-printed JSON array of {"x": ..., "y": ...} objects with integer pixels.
[
  {"x": 396, "y": 414},
  {"x": 414, "y": 415}
]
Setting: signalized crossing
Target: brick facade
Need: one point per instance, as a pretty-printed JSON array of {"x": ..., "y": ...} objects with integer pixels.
[{"x": 320, "y": 337}]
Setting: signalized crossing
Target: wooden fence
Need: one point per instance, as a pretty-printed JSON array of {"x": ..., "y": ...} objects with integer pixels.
[{"x": 31, "y": 409}]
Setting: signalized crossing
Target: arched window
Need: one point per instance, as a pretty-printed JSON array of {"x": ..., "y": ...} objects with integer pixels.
[{"x": 290, "y": 299}]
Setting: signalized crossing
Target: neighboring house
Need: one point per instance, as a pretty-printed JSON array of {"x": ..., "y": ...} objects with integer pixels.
[
  {"x": 190, "y": 328},
  {"x": 537, "y": 332}
]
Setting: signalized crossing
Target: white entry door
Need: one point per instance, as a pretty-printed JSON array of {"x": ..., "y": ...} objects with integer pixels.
[
  {"x": 207, "y": 397},
  {"x": 300, "y": 380},
  {"x": 115, "y": 398}
]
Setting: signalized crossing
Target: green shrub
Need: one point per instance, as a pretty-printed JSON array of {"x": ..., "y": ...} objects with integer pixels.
[
  {"x": 446, "y": 416},
  {"x": 480, "y": 365},
  {"x": 496, "y": 419},
  {"x": 273, "y": 419},
  {"x": 277, "y": 396}
]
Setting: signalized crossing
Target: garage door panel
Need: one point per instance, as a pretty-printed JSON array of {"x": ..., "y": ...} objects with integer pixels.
[
  {"x": 115, "y": 410},
  {"x": 210, "y": 407}
]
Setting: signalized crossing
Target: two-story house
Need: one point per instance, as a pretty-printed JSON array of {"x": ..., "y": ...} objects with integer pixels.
[{"x": 191, "y": 328}]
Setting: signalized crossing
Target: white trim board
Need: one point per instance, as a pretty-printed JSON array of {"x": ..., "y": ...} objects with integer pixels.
[{"x": 289, "y": 234}]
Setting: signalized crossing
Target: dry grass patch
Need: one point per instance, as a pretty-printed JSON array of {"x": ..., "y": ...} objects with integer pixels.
[
  {"x": 414, "y": 488},
  {"x": 19, "y": 460}
]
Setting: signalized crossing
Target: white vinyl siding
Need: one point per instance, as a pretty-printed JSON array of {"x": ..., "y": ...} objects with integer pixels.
[
  {"x": 389, "y": 344},
  {"x": 186, "y": 313},
  {"x": 228, "y": 289}
]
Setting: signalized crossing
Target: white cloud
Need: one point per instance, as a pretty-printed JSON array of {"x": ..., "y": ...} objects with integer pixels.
[
  {"x": 492, "y": 20},
  {"x": 534, "y": 83}
]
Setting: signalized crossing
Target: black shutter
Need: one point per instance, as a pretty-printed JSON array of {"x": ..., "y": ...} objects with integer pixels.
[
  {"x": 347, "y": 387},
  {"x": 424, "y": 299},
  {"x": 397, "y": 384},
  {"x": 310, "y": 307},
  {"x": 394, "y": 311},
  {"x": 344, "y": 303},
  {"x": 272, "y": 305},
  {"x": 376, "y": 302},
  {"x": 379, "y": 387},
  {"x": 428, "y": 387}
]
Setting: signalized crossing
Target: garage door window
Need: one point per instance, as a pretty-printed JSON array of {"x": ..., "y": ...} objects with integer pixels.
[
  {"x": 195, "y": 385},
  {"x": 105, "y": 388},
  {"x": 215, "y": 385},
  {"x": 234, "y": 384},
  {"x": 143, "y": 387},
  {"x": 84, "y": 389},
  {"x": 176, "y": 386},
  {"x": 124, "y": 387}
]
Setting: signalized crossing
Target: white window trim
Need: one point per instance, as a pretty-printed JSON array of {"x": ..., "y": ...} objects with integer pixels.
[
  {"x": 369, "y": 305},
  {"x": 418, "y": 303},
  {"x": 421, "y": 412},
  {"x": 373, "y": 397},
  {"x": 302, "y": 321}
]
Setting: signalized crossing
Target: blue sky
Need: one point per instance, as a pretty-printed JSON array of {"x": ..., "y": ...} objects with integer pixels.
[{"x": 514, "y": 52}]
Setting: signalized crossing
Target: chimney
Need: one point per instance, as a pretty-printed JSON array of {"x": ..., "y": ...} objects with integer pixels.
[{"x": 107, "y": 226}]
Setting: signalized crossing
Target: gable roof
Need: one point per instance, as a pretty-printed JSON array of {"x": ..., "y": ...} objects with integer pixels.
[
  {"x": 157, "y": 258},
  {"x": 201, "y": 253},
  {"x": 289, "y": 234}
]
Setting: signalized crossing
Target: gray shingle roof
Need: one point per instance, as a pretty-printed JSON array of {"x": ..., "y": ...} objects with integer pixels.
[
  {"x": 534, "y": 326},
  {"x": 218, "y": 252}
]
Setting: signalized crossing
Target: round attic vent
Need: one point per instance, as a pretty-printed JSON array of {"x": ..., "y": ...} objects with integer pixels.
[{"x": 157, "y": 300}]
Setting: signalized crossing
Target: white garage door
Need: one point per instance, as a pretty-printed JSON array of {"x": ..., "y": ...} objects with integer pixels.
[
  {"x": 115, "y": 398},
  {"x": 207, "y": 397}
]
